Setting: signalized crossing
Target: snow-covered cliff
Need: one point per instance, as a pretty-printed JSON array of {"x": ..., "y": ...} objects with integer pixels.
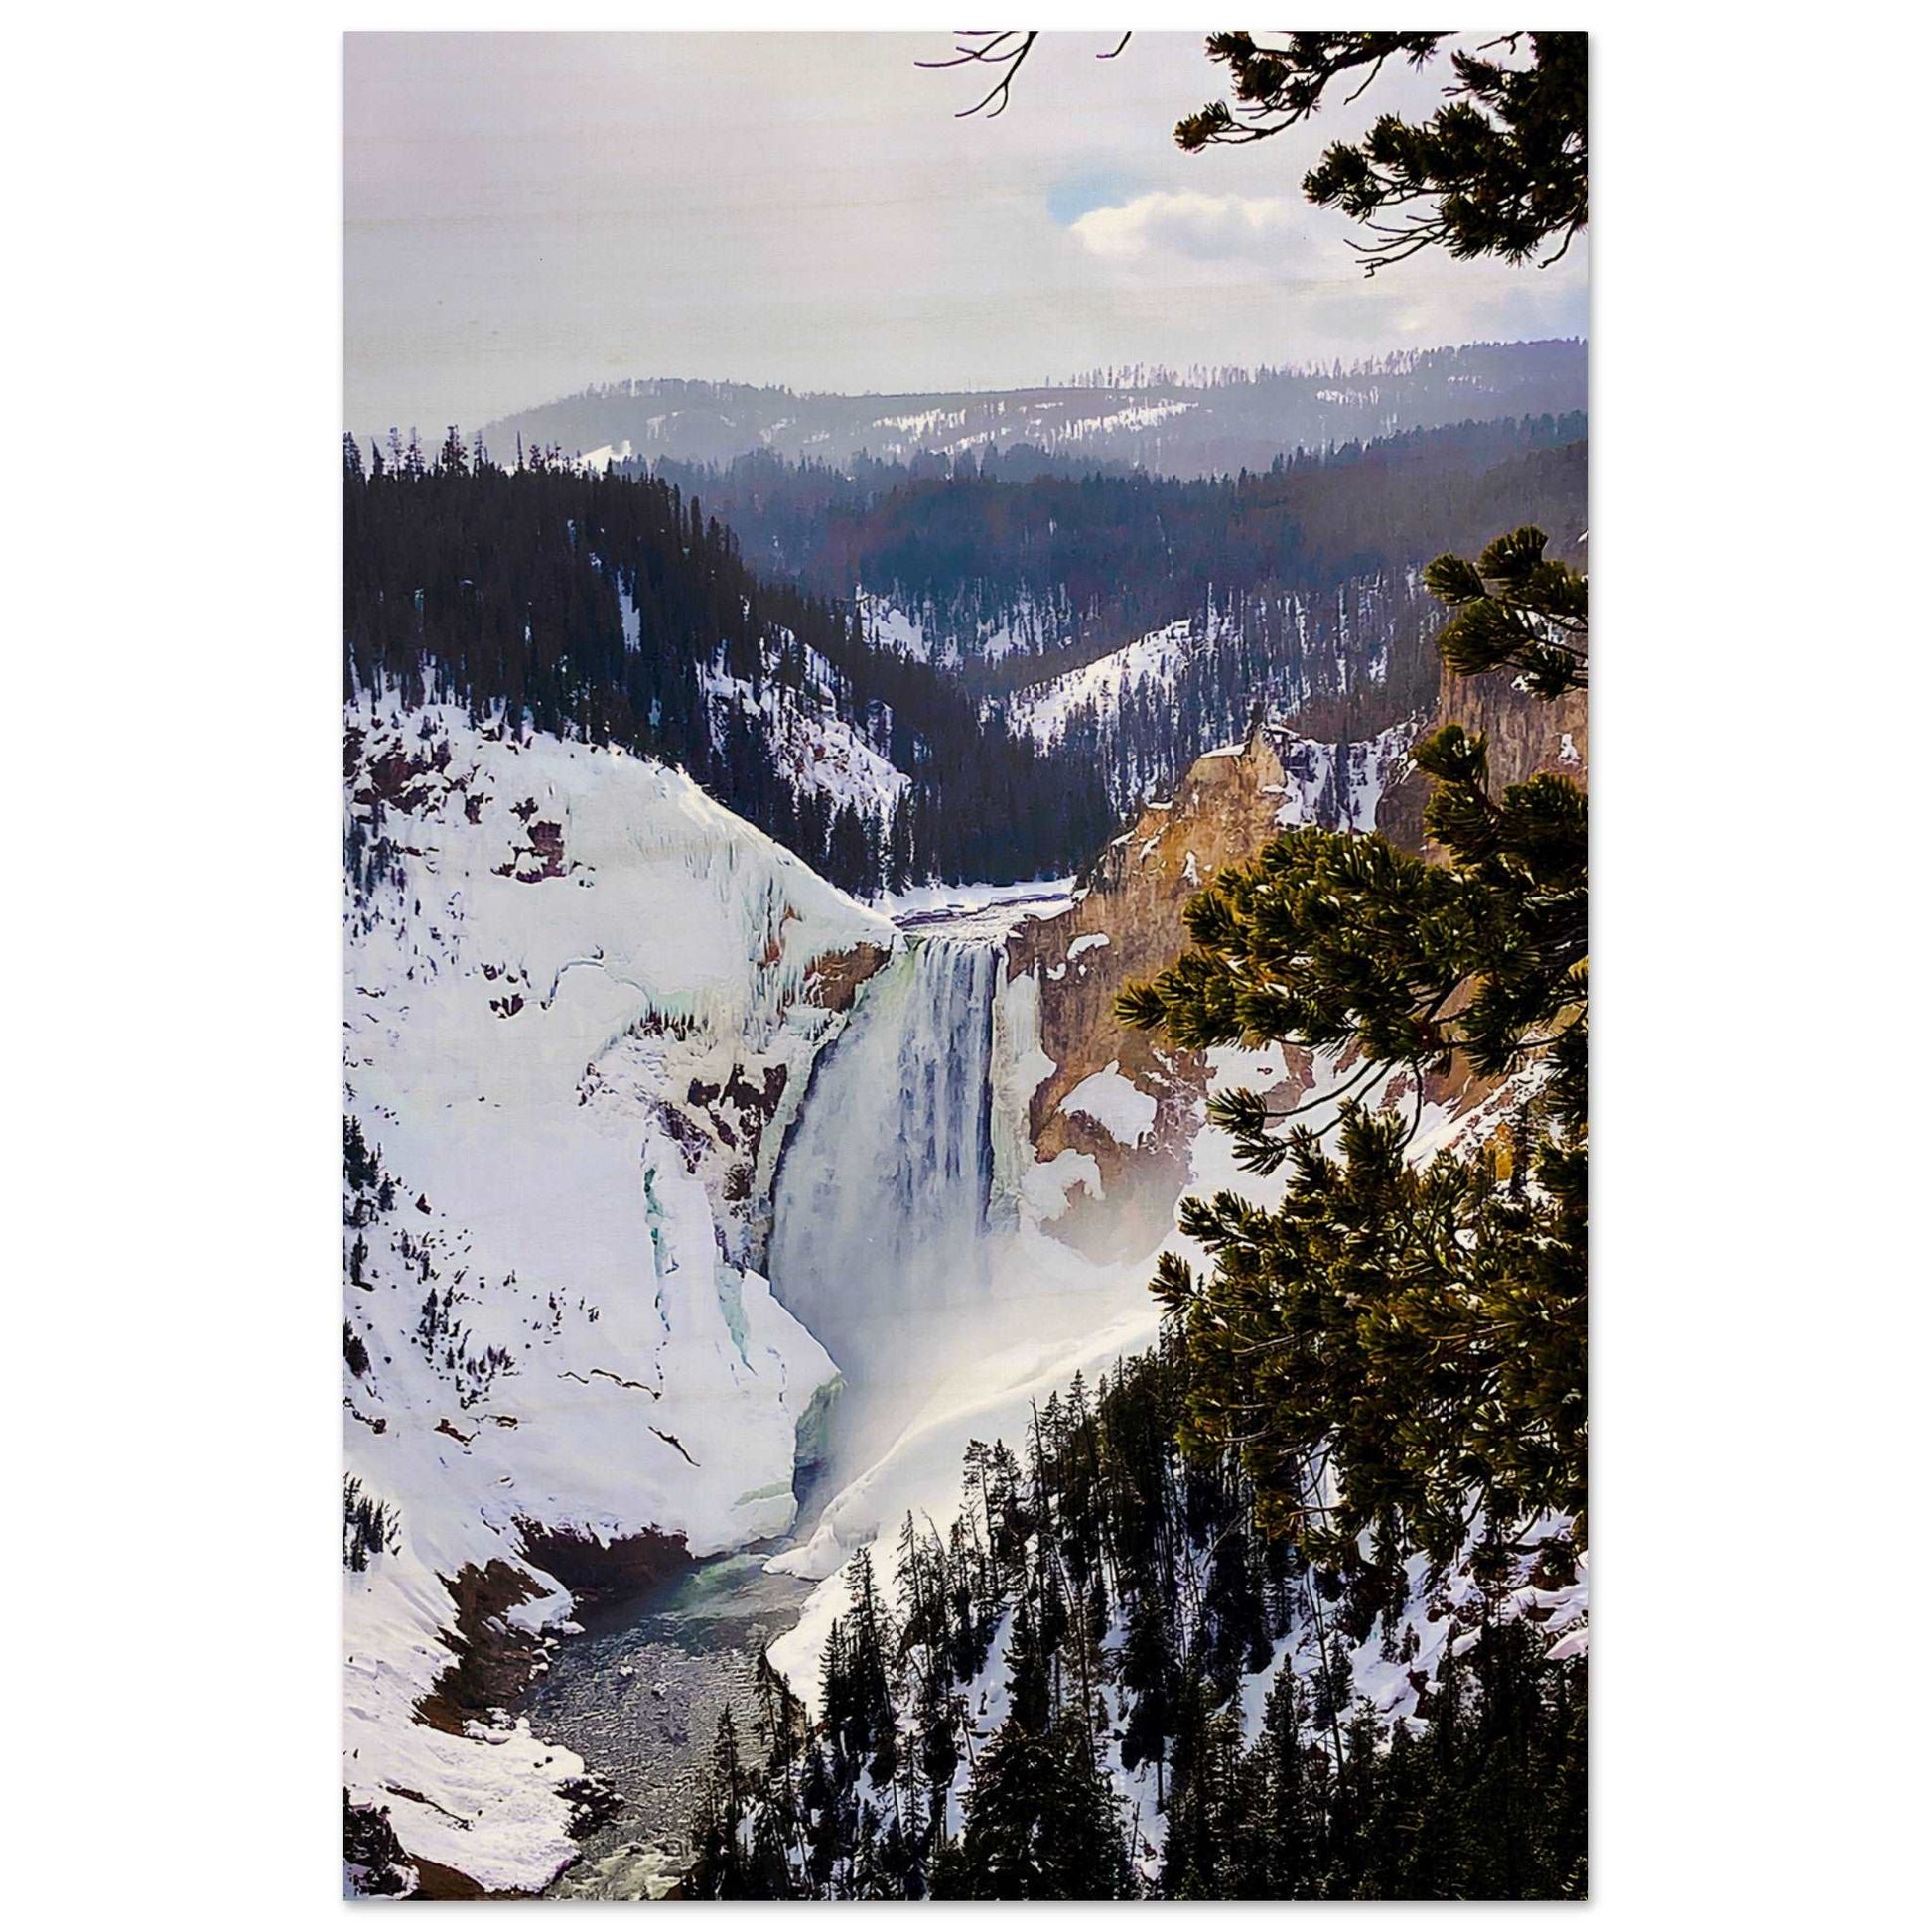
[{"x": 581, "y": 1002}]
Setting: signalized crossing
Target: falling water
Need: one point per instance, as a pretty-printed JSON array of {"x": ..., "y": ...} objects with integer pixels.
[
  {"x": 880, "y": 1220},
  {"x": 886, "y": 1246}
]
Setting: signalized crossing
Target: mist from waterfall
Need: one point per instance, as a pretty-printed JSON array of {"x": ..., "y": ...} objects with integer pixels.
[{"x": 880, "y": 1217}]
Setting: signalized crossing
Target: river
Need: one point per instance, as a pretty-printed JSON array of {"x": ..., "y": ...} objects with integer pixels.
[
  {"x": 879, "y": 1226},
  {"x": 638, "y": 1696}
]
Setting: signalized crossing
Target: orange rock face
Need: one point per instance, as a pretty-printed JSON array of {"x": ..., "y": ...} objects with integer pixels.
[{"x": 1221, "y": 812}]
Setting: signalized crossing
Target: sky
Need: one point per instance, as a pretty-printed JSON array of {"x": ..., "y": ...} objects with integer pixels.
[{"x": 525, "y": 215}]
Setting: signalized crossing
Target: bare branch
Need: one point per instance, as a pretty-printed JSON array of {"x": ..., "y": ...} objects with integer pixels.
[{"x": 1005, "y": 48}]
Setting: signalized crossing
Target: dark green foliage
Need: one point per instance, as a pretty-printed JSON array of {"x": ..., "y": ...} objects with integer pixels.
[
  {"x": 1041, "y": 1822},
  {"x": 1418, "y": 1332},
  {"x": 1515, "y": 609},
  {"x": 1327, "y": 1802},
  {"x": 1502, "y": 168},
  {"x": 362, "y": 1169},
  {"x": 1344, "y": 942},
  {"x": 721, "y": 1866}
]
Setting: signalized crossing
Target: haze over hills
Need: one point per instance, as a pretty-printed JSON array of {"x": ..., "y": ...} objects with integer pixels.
[{"x": 1212, "y": 423}]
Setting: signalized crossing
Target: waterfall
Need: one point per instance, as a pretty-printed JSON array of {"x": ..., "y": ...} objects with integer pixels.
[{"x": 879, "y": 1216}]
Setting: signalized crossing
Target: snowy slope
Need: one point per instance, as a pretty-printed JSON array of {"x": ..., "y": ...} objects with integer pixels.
[
  {"x": 807, "y": 740},
  {"x": 580, "y": 1002},
  {"x": 1158, "y": 702},
  {"x": 1341, "y": 785},
  {"x": 1019, "y": 624},
  {"x": 1147, "y": 663}
]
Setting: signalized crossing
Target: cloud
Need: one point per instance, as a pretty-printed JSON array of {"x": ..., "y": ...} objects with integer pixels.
[
  {"x": 529, "y": 212},
  {"x": 1196, "y": 226}
]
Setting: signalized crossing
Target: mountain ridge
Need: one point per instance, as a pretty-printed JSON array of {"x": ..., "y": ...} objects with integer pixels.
[{"x": 1173, "y": 428}]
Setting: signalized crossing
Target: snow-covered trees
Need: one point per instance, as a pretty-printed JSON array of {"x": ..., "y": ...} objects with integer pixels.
[
  {"x": 1061, "y": 1696},
  {"x": 611, "y": 609}
]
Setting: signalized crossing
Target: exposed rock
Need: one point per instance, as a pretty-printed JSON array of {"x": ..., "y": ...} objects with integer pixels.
[
  {"x": 622, "y": 1567},
  {"x": 1231, "y": 803},
  {"x": 493, "y": 1659},
  {"x": 374, "y": 1865},
  {"x": 1526, "y": 736},
  {"x": 1221, "y": 812},
  {"x": 836, "y": 977}
]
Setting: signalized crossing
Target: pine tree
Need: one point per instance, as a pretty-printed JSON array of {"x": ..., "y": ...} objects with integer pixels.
[
  {"x": 1423, "y": 1329},
  {"x": 1041, "y": 1822},
  {"x": 1147, "y": 1669},
  {"x": 1501, "y": 169},
  {"x": 720, "y": 1869}
]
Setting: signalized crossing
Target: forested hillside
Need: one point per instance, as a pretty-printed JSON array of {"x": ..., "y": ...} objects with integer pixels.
[
  {"x": 1102, "y": 1680},
  {"x": 612, "y": 609},
  {"x": 1134, "y": 621},
  {"x": 954, "y": 676},
  {"x": 1019, "y": 577},
  {"x": 1189, "y": 423}
]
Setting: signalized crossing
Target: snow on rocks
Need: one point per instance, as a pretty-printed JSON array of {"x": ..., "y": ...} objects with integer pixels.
[
  {"x": 1019, "y": 1066},
  {"x": 1114, "y": 1103},
  {"x": 577, "y": 1010},
  {"x": 1046, "y": 1187},
  {"x": 809, "y": 743},
  {"x": 1341, "y": 785}
]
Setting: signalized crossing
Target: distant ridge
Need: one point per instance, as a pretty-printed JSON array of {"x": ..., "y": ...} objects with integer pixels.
[{"x": 1216, "y": 421}]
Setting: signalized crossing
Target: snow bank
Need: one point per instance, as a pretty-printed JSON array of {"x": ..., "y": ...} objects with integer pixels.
[
  {"x": 1032, "y": 899},
  {"x": 1114, "y": 1103},
  {"x": 578, "y": 1005}
]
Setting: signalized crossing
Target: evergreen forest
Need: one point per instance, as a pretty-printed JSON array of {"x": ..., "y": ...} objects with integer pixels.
[{"x": 610, "y": 608}]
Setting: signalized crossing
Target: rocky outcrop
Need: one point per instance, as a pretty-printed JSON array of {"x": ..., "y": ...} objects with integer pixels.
[
  {"x": 1128, "y": 926},
  {"x": 836, "y": 977},
  {"x": 1526, "y": 736}
]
